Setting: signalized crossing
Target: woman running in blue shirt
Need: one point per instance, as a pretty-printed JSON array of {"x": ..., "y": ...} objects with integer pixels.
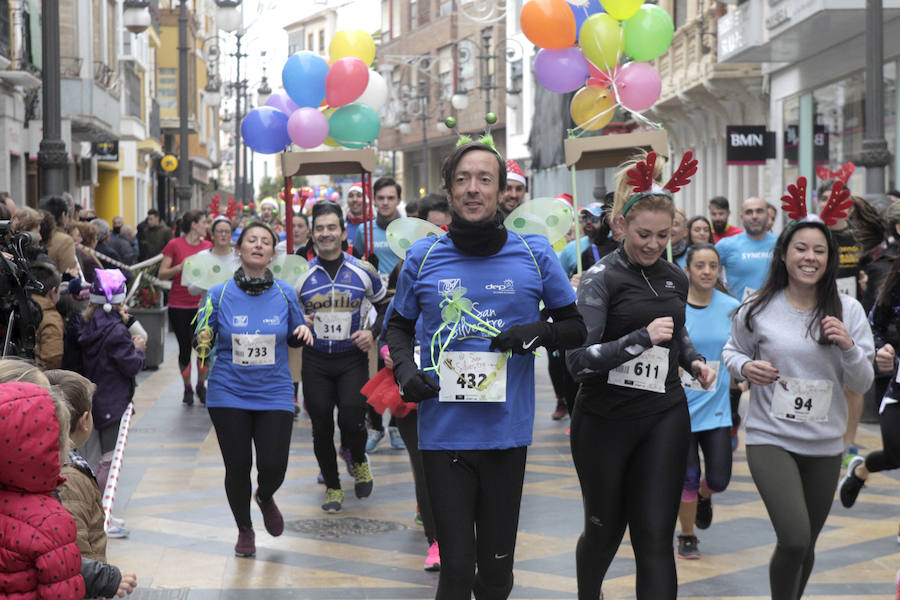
[
  {"x": 708, "y": 322},
  {"x": 248, "y": 323}
]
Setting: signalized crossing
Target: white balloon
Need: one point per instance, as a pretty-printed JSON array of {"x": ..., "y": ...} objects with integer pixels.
[{"x": 376, "y": 93}]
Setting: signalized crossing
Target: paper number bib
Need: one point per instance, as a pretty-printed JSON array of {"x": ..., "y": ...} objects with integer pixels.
[
  {"x": 802, "y": 400},
  {"x": 250, "y": 349},
  {"x": 689, "y": 383},
  {"x": 334, "y": 326},
  {"x": 645, "y": 372},
  {"x": 473, "y": 377}
]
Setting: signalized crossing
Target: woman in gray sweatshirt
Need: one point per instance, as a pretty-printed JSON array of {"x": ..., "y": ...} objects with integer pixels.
[{"x": 799, "y": 343}]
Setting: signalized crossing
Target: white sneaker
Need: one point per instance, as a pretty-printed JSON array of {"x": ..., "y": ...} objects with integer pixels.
[
  {"x": 116, "y": 521},
  {"x": 117, "y": 532}
]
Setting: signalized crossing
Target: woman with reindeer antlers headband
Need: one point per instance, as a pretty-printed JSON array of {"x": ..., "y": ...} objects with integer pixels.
[
  {"x": 800, "y": 343},
  {"x": 630, "y": 426}
]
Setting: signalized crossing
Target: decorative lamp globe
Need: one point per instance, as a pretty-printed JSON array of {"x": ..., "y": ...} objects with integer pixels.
[
  {"x": 228, "y": 17},
  {"x": 460, "y": 101},
  {"x": 136, "y": 16}
]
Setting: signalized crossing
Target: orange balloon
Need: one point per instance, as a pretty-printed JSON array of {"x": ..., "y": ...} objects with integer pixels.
[
  {"x": 592, "y": 108},
  {"x": 548, "y": 23}
]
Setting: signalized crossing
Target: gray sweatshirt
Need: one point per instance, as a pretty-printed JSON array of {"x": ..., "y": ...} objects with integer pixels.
[{"x": 780, "y": 337}]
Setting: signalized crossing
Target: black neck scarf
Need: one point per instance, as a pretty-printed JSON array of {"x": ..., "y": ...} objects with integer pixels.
[
  {"x": 253, "y": 285},
  {"x": 483, "y": 238}
]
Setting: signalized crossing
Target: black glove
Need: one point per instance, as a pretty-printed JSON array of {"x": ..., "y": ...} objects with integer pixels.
[
  {"x": 415, "y": 386},
  {"x": 521, "y": 339}
]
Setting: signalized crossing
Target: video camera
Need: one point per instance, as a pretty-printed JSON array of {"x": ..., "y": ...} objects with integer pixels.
[{"x": 19, "y": 314}]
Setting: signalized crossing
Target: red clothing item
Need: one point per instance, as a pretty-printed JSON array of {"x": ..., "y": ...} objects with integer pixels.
[
  {"x": 39, "y": 558},
  {"x": 729, "y": 231},
  {"x": 178, "y": 249}
]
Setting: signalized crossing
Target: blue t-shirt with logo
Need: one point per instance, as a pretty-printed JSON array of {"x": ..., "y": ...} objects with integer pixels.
[
  {"x": 355, "y": 287},
  {"x": 387, "y": 260},
  {"x": 709, "y": 328},
  {"x": 276, "y": 312},
  {"x": 505, "y": 289},
  {"x": 746, "y": 261}
]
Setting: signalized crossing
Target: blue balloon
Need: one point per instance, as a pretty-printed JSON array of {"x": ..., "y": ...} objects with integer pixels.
[
  {"x": 329, "y": 192},
  {"x": 264, "y": 129},
  {"x": 583, "y": 12},
  {"x": 303, "y": 77}
]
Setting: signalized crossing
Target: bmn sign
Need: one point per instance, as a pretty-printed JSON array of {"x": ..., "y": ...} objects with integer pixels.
[{"x": 749, "y": 144}]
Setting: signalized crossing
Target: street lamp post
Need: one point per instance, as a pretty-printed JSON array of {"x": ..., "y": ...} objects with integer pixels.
[
  {"x": 52, "y": 157},
  {"x": 240, "y": 167},
  {"x": 183, "y": 190},
  {"x": 423, "y": 99},
  {"x": 875, "y": 155}
]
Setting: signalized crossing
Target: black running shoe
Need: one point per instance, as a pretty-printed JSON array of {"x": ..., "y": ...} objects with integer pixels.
[
  {"x": 704, "y": 512},
  {"x": 188, "y": 397},
  {"x": 851, "y": 484},
  {"x": 201, "y": 394}
]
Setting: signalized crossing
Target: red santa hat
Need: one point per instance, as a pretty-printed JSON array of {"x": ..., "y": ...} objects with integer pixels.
[
  {"x": 356, "y": 187},
  {"x": 514, "y": 173}
]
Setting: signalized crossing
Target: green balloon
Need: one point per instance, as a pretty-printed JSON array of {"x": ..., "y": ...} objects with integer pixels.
[
  {"x": 354, "y": 125},
  {"x": 648, "y": 34}
]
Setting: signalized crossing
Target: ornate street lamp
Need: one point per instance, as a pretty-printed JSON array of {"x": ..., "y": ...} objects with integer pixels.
[
  {"x": 228, "y": 15},
  {"x": 136, "y": 15}
]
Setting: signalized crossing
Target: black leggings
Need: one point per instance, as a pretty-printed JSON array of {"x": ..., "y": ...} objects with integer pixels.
[
  {"x": 180, "y": 320},
  {"x": 270, "y": 432},
  {"x": 564, "y": 385},
  {"x": 475, "y": 496},
  {"x": 716, "y": 445},
  {"x": 409, "y": 431},
  {"x": 888, "y": 457},
  {"x": 797, "y": 491},
  {"x": 631, "y": 473},
  {"x": 331, "y": 380}
]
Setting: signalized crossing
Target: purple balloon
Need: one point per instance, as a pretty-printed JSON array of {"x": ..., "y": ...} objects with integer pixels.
[
  {"x": 281, "y": 101},
  {"x": 307, "y": 127},
  {"x": 561, "y": 71},
  {"x": 639, "y": 86}
]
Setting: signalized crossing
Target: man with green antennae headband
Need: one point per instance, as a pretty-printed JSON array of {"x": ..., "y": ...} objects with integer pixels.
[{"x": 478, "y": 292}]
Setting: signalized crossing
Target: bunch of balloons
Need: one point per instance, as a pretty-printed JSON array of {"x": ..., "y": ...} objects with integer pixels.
[
  {"x": 332, "y": 102},
  {"x": 583, "y": 44}
]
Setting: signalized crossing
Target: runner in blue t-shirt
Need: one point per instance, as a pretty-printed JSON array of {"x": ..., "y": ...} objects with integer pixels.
[
  {"x": 247, "y": 323},
  {"x": 477, "y": 291},
  {"x": 708, "y": 322},
  {"x": 336, "y": 293},
  {"x": 387, "y": 200}
]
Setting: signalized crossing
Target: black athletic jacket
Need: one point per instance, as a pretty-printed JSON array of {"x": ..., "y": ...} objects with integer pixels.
[{"x": 618, "y": 299}]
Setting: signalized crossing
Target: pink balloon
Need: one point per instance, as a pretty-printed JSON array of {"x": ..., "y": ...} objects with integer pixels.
[
  {"x": 281, "y": 101},
  {"x": 307, "y": 127},
  {"x": 638, "y": 85},
  {"x": 346, "y": 81}
]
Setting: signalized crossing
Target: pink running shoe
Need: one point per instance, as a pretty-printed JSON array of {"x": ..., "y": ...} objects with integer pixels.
[{"x": 433, "y": 559}]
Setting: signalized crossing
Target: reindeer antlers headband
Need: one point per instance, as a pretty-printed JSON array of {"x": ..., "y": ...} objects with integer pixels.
[
  {"x": 640, "y": 177},
  {"x": 794, "y": 203}
]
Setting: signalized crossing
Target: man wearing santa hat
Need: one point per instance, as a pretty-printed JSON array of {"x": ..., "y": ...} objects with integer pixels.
[
  {"x": 356, "y": 209},
  {"x": 516, "y": 187}
]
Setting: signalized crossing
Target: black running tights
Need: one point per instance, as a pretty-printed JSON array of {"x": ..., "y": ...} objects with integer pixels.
[
  {"x": 631, "y": 474},
  {"x": 409, "y": 431},
  {"x": 716, "y": 446},
  {"x": 475, "y": 496},
  {"x": 329, "y": 381},
  {"x": 180, "y": 320},
  {"x": 797, "y": 491},
  {"x": 564, "y": 385},
  {"x": 889, "y": 456},
  {"x": 237, "y": 430}
]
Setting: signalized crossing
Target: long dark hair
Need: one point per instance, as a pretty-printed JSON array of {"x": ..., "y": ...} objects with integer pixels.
[
  {"x": 693, "y": 220},
  {"x": 874, "y": 231},
  {"x": 828, "y": 303},
  {"x": 689, "y": 258}
]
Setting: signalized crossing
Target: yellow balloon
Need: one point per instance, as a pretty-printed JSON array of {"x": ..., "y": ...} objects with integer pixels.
[
  {"x": 329, "y": 141},
  {"x": 560, "y": 244},
  {"x": 621, "y": 9},
  {"x": 602, "y": 41},
  {"x": 592, "y": 108},
  {"x": 352, "y": 42}
]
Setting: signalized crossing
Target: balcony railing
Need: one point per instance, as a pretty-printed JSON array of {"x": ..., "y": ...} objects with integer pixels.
[
  {"x": 155, "y": 125},
  {"x": 107, "y": 78},
  {"x": 70, "y": 66}
]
